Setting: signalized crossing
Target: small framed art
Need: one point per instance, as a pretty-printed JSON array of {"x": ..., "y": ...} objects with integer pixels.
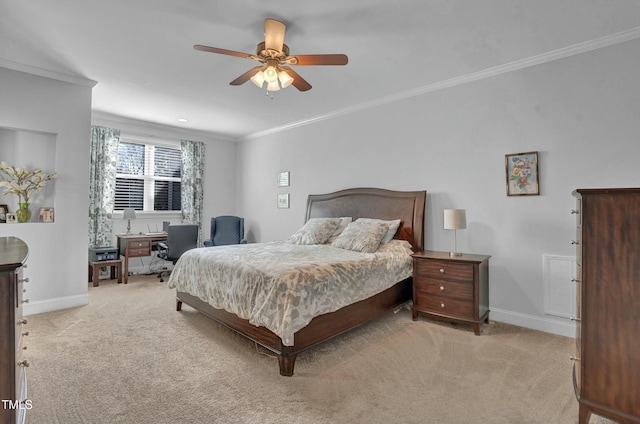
[
  {"x": 11, "y": 218},
  {"x": 46, "y": 215},
  {"x": 283, "y": 179},
  {"x": 522, "y": 174},
  {"x": 4, "y": 210},
  {"x": 283, "y": 201}
]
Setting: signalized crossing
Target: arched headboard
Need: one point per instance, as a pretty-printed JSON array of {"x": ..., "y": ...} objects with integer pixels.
[{"x": 408, "y": 206}]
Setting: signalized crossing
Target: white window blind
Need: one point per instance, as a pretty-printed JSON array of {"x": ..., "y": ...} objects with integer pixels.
[{"x": 148, "y": 177}]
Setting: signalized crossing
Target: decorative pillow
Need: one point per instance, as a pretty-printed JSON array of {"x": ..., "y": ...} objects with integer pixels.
[
  {"x": 361, "y": 236},
  {"x": 315, "y": 231},
  {"x": 393, "y": 228},
  {"x": 344, "y": 221}
]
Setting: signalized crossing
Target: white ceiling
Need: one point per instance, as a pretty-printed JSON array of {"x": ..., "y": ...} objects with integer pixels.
[{"x": 140, "y": 51}]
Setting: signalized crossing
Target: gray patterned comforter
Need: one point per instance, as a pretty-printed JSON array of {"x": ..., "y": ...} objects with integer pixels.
[{"x": 283, "y": 286}]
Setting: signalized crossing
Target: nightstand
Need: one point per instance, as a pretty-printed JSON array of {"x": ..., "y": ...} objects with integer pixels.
[{"x": 451, "y": 288}]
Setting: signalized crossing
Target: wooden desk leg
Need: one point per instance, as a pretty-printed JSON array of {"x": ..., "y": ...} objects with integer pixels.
[
  {"x": 119, "y": 271},
  {"x": 96, "y": 274},
  {"x": 126, "y": 269}
]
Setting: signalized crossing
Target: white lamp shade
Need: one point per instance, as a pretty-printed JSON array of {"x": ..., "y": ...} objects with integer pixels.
[
  {"x": 129, "y": 214},
  {"x": 455, "y": 219},
  {"x": 258, "y": 79},
  {"x": 285, "y": 79}
]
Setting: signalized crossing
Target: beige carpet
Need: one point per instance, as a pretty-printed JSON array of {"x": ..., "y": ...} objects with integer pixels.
[{"x": 129, "y": 357}]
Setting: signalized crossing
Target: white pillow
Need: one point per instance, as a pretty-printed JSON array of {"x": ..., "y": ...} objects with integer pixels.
[
  {"x": 391, "y": 231},
  {"x": 315, "y": 231},
  {"x": 344, "y": 221},
  {"x": 361, "y": 236}
]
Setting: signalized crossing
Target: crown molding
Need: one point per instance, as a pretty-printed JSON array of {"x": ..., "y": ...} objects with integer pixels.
[
  {"x": 146, "y": 130},
  {"x": 41, "y": 72},
  {"x": 528, "y": 62}
]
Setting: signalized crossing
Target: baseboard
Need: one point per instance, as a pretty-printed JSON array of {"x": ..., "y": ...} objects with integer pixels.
[
  {"x": 57, "y": 303},
  {"x": 546, "y": 324}
]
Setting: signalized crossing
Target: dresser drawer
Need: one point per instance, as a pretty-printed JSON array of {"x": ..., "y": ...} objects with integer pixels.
[
  {"x": 444, "y": 270},
  {"x": 444, "y": 288},
  {"x": 139, "y": 248},
  {"x": 444, "y": 305}
]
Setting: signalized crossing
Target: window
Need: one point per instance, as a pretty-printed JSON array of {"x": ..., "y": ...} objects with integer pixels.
[{"x": 148, "y": 177}]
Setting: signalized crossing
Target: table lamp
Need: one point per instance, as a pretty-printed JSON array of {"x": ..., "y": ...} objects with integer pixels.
[
  {"x": 455, "y": 219},
  {"x": 129, "y": 214}
]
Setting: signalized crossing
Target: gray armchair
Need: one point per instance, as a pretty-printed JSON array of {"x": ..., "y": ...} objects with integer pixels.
[{"x": 226, "y": 229}]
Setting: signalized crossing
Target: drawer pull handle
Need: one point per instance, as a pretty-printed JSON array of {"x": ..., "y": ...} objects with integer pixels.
[
  {"x": 23, "y": 363},
  {"x": 573, "y": 358},
  {"x": 442, "y": 304},
  {"x": 441, "y": 287},
  {"x": 24, "y": 280},
  {"x": 25, "y": 301},
  {"x": 575, "y": 319},
  {"x": 575, "y": 280},
  {"x": 575, "y": 242},
  {"x": 22, "y": 321},
  {"x": 441, "y": 270},
  {"x": 26, "y": 333},
  {"x": 575, "y": 211}
]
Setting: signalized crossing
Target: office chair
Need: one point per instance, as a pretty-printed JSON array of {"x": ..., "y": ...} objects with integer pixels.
[
  {"x": 180, "y": 238},
  {"x": 226, "y": 229}
]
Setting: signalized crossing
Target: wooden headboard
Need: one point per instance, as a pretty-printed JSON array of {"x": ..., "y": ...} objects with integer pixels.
[{"x": 408, "y": 206}]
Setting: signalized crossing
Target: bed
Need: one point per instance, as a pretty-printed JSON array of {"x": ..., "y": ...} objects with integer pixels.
[{"x": 406, "y": 206}]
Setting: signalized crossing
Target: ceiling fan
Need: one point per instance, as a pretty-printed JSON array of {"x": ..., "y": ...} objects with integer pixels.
[{"x": 274, "y": 56}]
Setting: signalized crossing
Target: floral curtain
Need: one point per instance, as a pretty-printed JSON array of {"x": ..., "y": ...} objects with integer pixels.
[
  {"x": 191, "y": 183},
  {"x": 102, "y": 184}
]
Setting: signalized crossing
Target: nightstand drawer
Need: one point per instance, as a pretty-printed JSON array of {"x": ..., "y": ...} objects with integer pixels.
[
  {"x": 444, "y": 270},
  {"x": 444, "y": 305},
  {"x": 463, "y": 291}
]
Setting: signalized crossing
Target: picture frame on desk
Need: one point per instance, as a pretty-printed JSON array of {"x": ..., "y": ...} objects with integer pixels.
[
  {"x": 46, "y": 215},
  {"x": 11, "y": 218},
  {"x": 4, "y": 210}
]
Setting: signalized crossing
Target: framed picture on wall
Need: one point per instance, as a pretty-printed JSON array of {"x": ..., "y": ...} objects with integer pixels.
[
  {"x": 283, "y": 201},
  {"x": 4, "y": 210},
  {"x": 522, "y": 174},
  {"x": 46, "y": 215},
  {"x": 283, "y": 179}
]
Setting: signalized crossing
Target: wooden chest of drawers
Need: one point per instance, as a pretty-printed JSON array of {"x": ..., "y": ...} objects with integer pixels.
[
  {"x": 607, "y": 359},
  {"x": 13, "y": 254},
  {"x": 451, "y": 288}
]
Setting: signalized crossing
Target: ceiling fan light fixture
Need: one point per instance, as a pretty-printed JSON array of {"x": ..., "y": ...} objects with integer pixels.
[
  {"x": 270, "y": 74},
  {"x": 285, "y": 79},
  {"x": 258, "y": 79},
  {"x": 273, "y": 86}
]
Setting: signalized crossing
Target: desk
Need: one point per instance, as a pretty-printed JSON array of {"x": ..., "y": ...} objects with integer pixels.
[{"x": 137, "y": 245}]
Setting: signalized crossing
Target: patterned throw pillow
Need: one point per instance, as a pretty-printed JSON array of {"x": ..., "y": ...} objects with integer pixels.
[
  {"x": 393, "y": 228},
  {"x": 344, "y": 221},
  {"x": 315, "y": 231},
  {"x": 362, "y": 236}
]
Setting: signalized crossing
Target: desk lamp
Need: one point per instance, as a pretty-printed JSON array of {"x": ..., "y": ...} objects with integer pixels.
[
  {"x": 129, "y": 214},
  {"x": 455, "y": 219}
]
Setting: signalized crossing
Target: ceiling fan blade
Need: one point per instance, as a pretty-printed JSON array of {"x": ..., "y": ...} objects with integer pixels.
[
  {"x": 298, "y": 82},
  {"x": 246, "y": 76},
  {"x": 317, "y": 59},
  {"x": 223, "y": 51},
  {"x": 274, "y": 34}
]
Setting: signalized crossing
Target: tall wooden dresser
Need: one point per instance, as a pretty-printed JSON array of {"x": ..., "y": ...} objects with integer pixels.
[
  {"x": 607, "y": 361},
  {"x": 13, "y": 384}
]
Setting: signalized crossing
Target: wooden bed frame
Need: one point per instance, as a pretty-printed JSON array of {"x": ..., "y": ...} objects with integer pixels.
[{"x": 408, "y": 206}]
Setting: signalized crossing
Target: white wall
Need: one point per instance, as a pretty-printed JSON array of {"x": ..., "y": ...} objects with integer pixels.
[
  {"x": 57, "y": 263},
  {"x": 580, "y": 113}
]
